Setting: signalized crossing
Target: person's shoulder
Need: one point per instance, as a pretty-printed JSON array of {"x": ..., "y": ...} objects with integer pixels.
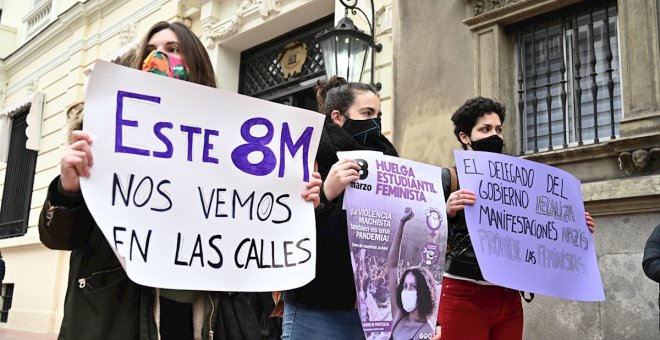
[{"x": 656, "y": 232}]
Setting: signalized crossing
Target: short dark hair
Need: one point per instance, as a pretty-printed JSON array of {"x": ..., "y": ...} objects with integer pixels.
[
  {"x": 466, "y": 116},
  {"x": 192, "y": 51},
  {"x": 338, "y": 94},
  {"x": 426, "y": 298}
]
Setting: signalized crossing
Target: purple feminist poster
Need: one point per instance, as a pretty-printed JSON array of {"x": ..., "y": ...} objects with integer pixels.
[
  {"x": 528, "y": 226},
  {"x": 397, "y": 232}
]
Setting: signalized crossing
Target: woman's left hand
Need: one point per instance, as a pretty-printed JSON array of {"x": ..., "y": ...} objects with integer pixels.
[
  {"x": 313, "y": 192},
  {"x": 590, "y": 222}
]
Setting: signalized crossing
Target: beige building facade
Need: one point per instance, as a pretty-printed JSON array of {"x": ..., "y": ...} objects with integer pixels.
[
  {"x": 527, "y": 54},
  {"x": 436, "y": 53},
  {"x": 47, "y": 50}
]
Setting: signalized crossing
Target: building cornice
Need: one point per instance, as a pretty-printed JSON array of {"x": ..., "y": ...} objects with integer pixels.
[
  {"x": 214, "y": 30},
  {"x": 505, "y": 12},
  {"x": 61, "y": 29}
]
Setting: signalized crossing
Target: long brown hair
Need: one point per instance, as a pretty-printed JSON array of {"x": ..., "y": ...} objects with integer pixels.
[{"x": 192, "y": 51}]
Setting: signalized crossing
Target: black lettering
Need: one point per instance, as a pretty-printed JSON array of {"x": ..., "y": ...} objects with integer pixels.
[
  {"x": 287, "y": 253},
  {"x": 253, "y": 254},
  {"x": 217, "y": 251},
  {"x": 219, "y": 202},
  {"x": 265, "y": 206},
  {"x": 143, "y": 252},
  {"x": 164, "y": 194},
  {"x": 176, "y": 254},
  {"x": 137, "y": 192},
  {"x": 235, "y": 198},
  {"x": 309, "y": 253},
  {"x": 114, "y": 234},
  {"x": 197, "y": 251},
  {"x": 288, "y": 216},
  {"x": 206, "y": 208},
  {"x": 272, "y": 251},
  {"x": 116, "y": 183},
  {"x": 238, "y": 250}
]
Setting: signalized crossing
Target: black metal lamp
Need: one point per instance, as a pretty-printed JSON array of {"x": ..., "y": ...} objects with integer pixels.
[{"x": 345, "y": 48}]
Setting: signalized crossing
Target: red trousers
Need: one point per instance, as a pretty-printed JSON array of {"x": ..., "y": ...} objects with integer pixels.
[{"x": 471, "y": 311}]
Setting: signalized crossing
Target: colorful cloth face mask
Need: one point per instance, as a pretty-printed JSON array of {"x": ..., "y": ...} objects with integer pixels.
[{"x": 166, "y": 65}]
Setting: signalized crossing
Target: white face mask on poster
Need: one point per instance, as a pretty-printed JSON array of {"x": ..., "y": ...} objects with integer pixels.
[{"x": 409, "y": 300}]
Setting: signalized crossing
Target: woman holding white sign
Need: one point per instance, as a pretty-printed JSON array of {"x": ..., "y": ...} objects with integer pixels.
[
  {"x": 470, "y": 307},
  {"x": 101, "y": 301},
  {"x": 325, "y": 308}
]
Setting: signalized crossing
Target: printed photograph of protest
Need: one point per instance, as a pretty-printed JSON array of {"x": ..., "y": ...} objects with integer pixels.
[{"x": 398, "y": 245}]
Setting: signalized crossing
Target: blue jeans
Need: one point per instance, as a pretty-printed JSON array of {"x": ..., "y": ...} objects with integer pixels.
[{"x": 301, "y": 323}]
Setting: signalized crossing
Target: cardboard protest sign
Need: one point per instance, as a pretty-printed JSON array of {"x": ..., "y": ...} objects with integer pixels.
[
  {"x": 198, "y": 188},
  {"x": 528, "y": 227},
  {"x": 397, "y": 234}
]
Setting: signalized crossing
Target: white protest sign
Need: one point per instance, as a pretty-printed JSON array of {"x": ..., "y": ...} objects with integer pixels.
[{"x": 198, "y": 188}]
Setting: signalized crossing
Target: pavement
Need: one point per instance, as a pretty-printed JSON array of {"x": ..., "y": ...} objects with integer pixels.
[{"x": 12, "y": 334}]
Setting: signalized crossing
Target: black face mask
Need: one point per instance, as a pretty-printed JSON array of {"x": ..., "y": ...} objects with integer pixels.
[
  {"x": 365, "y": 132},
  {"x": 493, "y": 143}
]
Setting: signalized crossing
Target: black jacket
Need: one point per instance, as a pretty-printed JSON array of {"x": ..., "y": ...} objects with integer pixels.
[
  {"x": 461, "y": 259},
  {"x": 101, "y": 302},
  {"x": 333, "y": 287},
  {"x": 651, "y": 262}
]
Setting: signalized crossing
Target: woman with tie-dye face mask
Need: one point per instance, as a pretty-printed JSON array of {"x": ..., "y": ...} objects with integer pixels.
[
  {"x": 172, "y": 50},
  {"x": 101, "y": 301}
]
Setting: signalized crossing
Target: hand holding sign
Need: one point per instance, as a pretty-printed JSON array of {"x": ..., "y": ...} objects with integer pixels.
[
  {"x": 458, "y": 200},
  {"x": 312, "y": 194},
  {"x": 341, "y": 174},
  {"x": 76, "y": 161}
]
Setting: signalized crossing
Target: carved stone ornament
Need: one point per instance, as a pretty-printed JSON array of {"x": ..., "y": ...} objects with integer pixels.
[
  {"x": 268, "y": 7},
  {"x": 639, "y": 160},
  {"x": 207, "y": 31},
  {"x": 485, "y": 6},
  {"x": 127, "y": 34},
  {"x": 214, "y": 30},
  {"x": 292, "y": 58}
]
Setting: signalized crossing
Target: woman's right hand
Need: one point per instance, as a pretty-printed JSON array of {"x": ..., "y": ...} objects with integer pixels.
[
  {"x": 341, "y": 174},
  {"x": 457, "y": 201},
  {"x": 76, "y": 161}
]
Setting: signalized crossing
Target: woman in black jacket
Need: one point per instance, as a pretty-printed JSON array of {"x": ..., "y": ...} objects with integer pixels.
[
  {"x": 325, "y": 307},
  {"x": 470, "y": 307},
  {"x": 101, "y": 302}
]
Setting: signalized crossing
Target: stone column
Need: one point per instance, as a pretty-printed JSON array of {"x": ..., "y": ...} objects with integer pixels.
[{"x": 640, "y": 66}]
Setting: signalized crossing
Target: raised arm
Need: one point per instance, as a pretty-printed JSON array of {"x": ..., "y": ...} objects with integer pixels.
[{"x": 65, "y": 222}]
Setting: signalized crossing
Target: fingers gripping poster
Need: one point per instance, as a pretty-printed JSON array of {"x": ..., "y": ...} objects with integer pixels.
[
  {"x": 198, "y": 188},
  {"x": 528, "y": 226},
  {"x": 397, "y": 233}
]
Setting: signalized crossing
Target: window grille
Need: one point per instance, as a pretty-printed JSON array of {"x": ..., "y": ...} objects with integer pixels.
[
  {"x": 261, "y": 73},
  {"x": 7, "y": 294},
  {"x": 569, "y": 87},
  {"x": 19, "y": 177}
]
